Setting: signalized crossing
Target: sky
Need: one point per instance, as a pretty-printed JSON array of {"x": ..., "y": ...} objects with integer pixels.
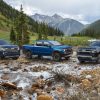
[{"x": 85, "y": 11}]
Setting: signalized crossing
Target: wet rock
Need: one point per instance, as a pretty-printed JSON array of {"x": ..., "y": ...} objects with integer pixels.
[
  {"x": 10, "y": 86},
  {"x": 44, "y": 97},
  {"x": 88, "y": 76},
  {"x": 39, "y": 68},
  {"x": 86, "y": 84},
  {"x": 40, "y": 82},
  {"x": 14, "y": 69},
  {"x": 60, "y": 90},
  {"x": 2, "y": 93},
  {"x": 5, "y": 77},
  {"x": 34, "y": 87},
  {"x": 93, "y": 93}
]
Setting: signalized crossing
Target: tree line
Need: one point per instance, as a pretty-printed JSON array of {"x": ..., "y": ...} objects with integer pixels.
[{"x": 90, "y": 32}]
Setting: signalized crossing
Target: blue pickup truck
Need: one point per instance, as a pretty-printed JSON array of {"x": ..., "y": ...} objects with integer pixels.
[
  {"x": 8, "y": 50},
  {"x": 48, "y": 48},
  {"x": 89, "y": 53}
]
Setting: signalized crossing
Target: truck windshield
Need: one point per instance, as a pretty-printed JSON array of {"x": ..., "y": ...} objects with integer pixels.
[
  {"x": 56, "y": 43},
  {"x": 95, "y": 44},
  {"x": 2, "y": 42}
]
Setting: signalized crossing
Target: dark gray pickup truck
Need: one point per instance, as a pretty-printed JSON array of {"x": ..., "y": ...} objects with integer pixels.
[{"x": 90, "y": 53}]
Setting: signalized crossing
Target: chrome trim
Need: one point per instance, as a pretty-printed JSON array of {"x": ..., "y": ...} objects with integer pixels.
[{"x": 84, "y": 56}]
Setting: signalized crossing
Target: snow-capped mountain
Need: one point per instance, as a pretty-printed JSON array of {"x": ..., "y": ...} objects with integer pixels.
[{"x": 67, "y": 25}]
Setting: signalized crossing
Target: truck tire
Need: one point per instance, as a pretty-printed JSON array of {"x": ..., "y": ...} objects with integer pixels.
[
  {"x": 81, "y": 61},
  {"x": 2, "y": 58},
  {"x": 15, "y": 58},
  {"x": 39, "y": 56},
  {"x": 28, "y": 54},
  {"x": 98, "y": 60},
  {"x": 56, "y": 56},
  {"x": 67, "y": 58}
]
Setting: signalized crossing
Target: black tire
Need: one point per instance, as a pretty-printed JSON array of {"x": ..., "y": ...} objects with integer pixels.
[
  {"x": 81, "y": 61},
  {"x": 67, "y": 58},
  {"x": 56, "y": 56},
  {"x": 15, "y": 58},
  {"x": 39, "y": 56},
  {"x": 98, "y": 60},
  {"x": 28, "y": 54},
  {"x": 2, "y": 58}
]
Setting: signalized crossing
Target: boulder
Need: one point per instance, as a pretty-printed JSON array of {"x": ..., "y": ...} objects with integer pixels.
[{"x": 44, "y": 97}]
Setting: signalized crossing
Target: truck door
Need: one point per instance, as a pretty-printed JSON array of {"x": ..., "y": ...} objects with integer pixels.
[
  {"x": 37, "y": 48},
  {"x": 46, "y": 49}
]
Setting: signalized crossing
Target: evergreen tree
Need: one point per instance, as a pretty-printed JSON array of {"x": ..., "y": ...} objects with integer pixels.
[
  {"x": 39, "y": 36},
  {"x": 45, "y": 32},
  {"x": 12, "y": 35},
  {"x": 22, "y": 28},
  {"x": 39, "y": 33}
]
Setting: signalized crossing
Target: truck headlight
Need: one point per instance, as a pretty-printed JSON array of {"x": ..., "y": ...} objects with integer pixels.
[
  {"x": 64, "y": 50},
  {"x": 18, "y": 48},
  {"x": 94, "y": 51},
  {"x": 2, "y": 49}
]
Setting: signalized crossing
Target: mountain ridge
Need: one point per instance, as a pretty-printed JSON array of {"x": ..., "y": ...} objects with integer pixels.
[{"x": 67, "y": 25}]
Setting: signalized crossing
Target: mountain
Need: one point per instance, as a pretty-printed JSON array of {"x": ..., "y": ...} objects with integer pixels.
[
  {"x": 93, "y": 30},
  {"x": 67, "y": 25}
]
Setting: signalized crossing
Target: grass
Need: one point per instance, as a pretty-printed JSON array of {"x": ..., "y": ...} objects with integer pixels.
[
  {"x": 4, "y": 35},
  {"x": 74, "y": 41}
]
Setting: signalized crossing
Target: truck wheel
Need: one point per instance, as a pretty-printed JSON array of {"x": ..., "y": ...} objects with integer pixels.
[
  {"x": 28, "y": 54},
  {"x": 2, "y": 58},
  {"x": 39, "y": 56},
  {"x": 56, "y": 56},
  {"x": 81, "y": 61},
  {"x": 98, "y": 61},
  {"x": 15, "y": 58},
  {"x": 67, "y": 58}
]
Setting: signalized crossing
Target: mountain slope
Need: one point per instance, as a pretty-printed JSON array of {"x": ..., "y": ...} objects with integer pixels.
[
  {"x": 68, "y": 26},
  {"x": 95, "y": 26},
  {"x": 8, "y": 16},
  {"x": 5, "y": 25},
  {"x": 93, "y": 30}
]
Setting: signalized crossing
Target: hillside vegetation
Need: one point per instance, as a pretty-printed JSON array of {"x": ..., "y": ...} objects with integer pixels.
[
  {"x": 8, "y": 17},
  {"x": 93, "y": 30},
  {"x": 5, "y": 25}
]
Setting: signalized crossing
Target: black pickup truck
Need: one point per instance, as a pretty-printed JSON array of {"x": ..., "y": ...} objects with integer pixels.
[
  {"x": 8, "y": 50},
  {"x": 90, "y": 53}
]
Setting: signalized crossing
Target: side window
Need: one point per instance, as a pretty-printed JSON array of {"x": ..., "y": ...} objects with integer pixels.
[
  {"x": 99, "y": 44},
  {"x": 46, "y": 44},
  {"x": 39, "y": 44}
]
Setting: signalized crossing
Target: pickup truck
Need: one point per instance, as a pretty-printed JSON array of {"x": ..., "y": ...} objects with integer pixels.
[
  {"x": 8, "y": 50},
  {"x": 48, "y": 48},
  {"x": 90, "y": 53}
]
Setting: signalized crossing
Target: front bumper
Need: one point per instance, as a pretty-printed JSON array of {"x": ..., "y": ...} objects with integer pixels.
[
  {"x": 67, "y": 54},
  {"x": 86, "y": 58}
]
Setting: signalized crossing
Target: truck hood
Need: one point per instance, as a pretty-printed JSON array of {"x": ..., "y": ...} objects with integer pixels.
[
  {"x": 62, "y": 47},
  {"x": 87, "y": 48},
  {"x": 9, "y": 46}
]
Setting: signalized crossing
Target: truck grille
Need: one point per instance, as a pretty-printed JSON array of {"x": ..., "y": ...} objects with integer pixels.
[
  {"x": 11, "y": 49},
  {"x": 84, "y": 53}
]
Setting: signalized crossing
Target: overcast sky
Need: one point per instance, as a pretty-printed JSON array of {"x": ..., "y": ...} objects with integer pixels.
[{"x": 85, "y": 11}]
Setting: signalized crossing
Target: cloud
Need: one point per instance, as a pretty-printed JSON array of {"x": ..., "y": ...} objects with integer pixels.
[{"x": 81, "y": 10}]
